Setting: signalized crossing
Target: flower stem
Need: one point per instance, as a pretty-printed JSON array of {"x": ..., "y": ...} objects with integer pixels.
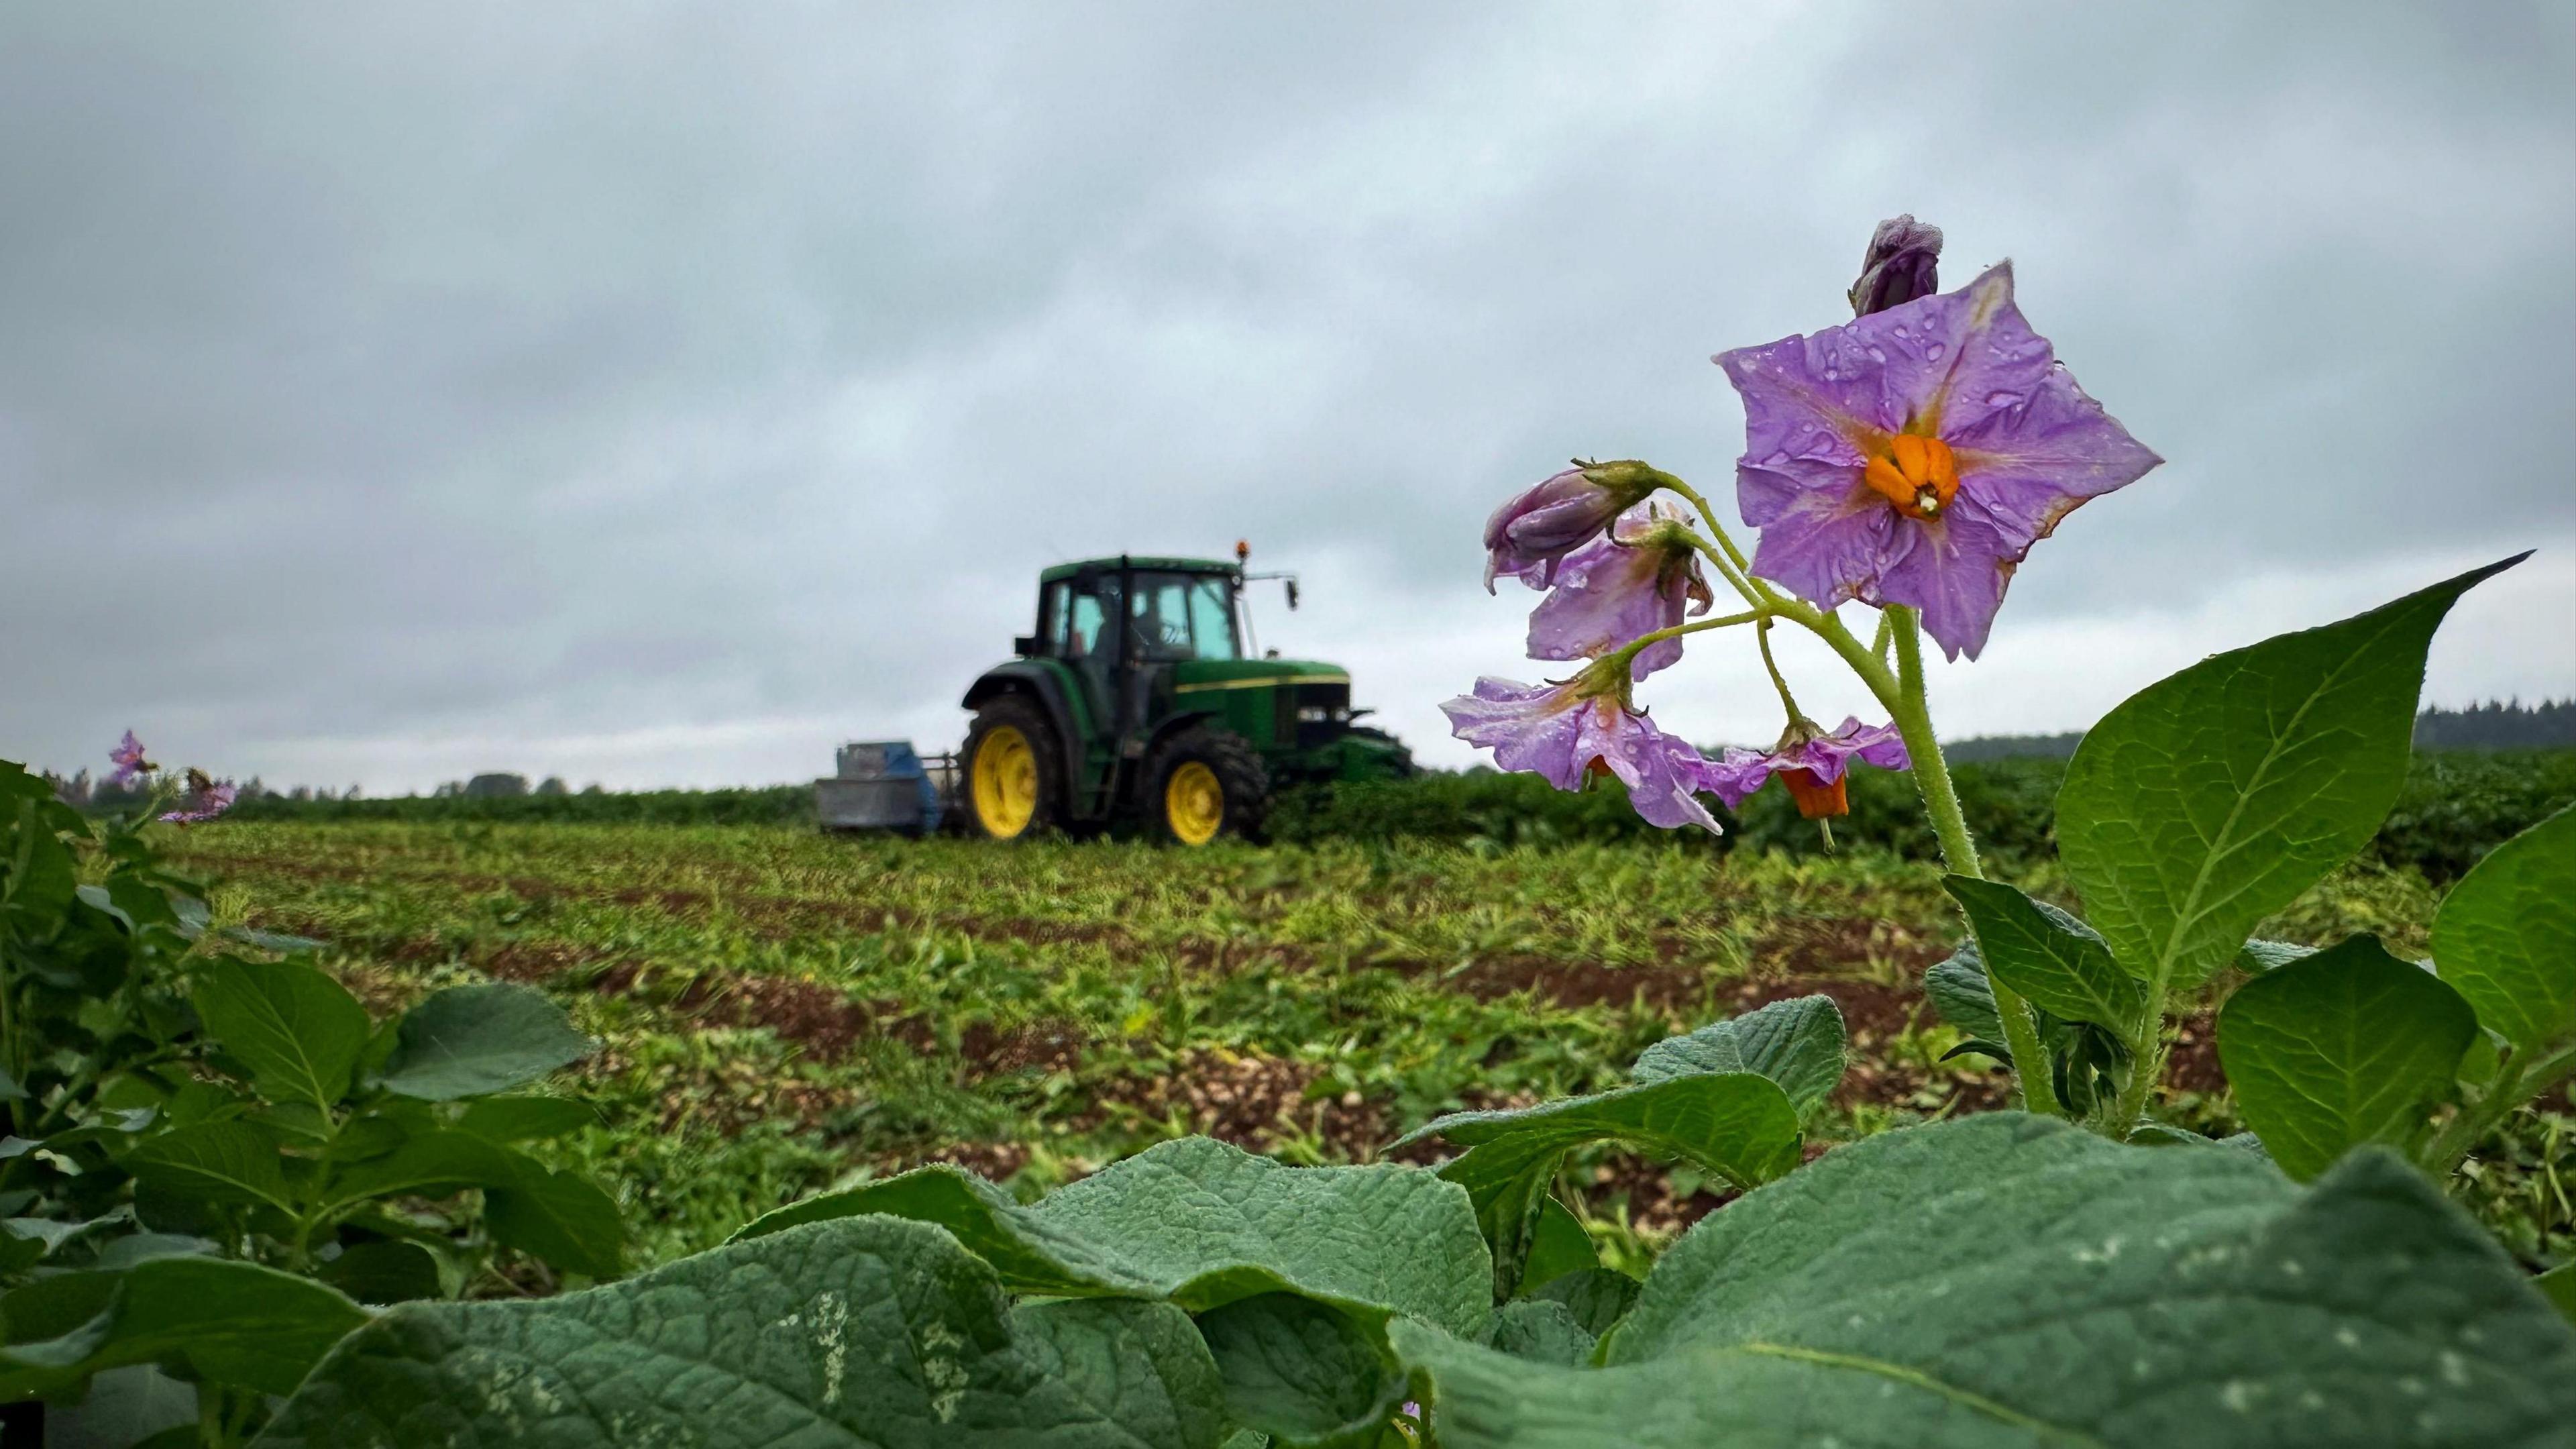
[
  {"x": 1958, "y": 848},
  {"x": 1628, "y": 651},
  {"x": 1788, "y": 701}
]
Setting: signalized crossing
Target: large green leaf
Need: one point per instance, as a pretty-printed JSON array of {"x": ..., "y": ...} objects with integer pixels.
[
  {"x": 867, "y": 1331},
  {"x": 2506, "y": 935},
  {"x": 2054, "y": 962},
  {"x": 1738, "y": 1124},
  {"x": 1202, "y": 1224},
  {"x": 2346, "y": 1046},
  {"x": 1797, "y": 1043},
  {"x": 470, "y": 1040},
  {"x": 526, "y": 1119},
  {"x": 1303, "y": 1372},
  {"x": 235, "y": 1323},
  {"x": 561, "y": 1217},
  {"x": 2213, "y": 798},
  {"x": 229, "y": 1163},
  {"x": 433, "y": 1164},
  {"x": 297, "y": 1030},
  {"x": 2007, "y": 1280}
]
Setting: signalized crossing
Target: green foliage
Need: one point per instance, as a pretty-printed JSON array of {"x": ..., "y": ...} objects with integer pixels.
[
  {"x": 750, "y": 805},
  {"x": 2342, "y": 1047},
  {"x": 2506, "y": 936},
  {"x": 869, "y": 1330},
  {"x": 2086, "y": 1294},
  {"x": 2213, "y": 798},
  {"x": 202, "y": 1172}
]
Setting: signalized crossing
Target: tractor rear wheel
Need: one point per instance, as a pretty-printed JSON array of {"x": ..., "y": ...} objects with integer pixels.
[
  {"x": 1014, "y": 770},
  {"x": 1205, "y": 783}
]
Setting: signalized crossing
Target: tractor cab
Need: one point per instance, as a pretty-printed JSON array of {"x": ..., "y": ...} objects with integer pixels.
[{"x": 1139, "y": 694}]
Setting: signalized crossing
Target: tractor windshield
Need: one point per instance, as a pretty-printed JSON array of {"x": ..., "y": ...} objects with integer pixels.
[{"x": 1184, "y": 616}]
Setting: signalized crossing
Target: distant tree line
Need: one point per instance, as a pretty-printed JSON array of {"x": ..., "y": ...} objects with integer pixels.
[{"x": 2499, "y": 725}]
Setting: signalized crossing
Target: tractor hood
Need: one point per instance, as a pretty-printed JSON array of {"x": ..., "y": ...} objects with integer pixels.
[{"x": 1199, "y": 676}]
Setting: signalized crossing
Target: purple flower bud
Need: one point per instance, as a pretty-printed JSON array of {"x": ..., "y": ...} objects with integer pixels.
[
  {"x": 1532, "y": 531},
  {"x": 1903, "y": 263},
  {"x": 1565, "y": 732},
  {"x": 1806, "y": 751},
  {"x": 128, "y": 759}
]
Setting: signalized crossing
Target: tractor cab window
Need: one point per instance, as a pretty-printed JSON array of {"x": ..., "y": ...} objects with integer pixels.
[
  {"x": 1086, "y": 630},
  {"x": 1182, "y": 616}
]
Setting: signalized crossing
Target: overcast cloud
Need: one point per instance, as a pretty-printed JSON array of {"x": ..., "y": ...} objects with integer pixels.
[{"x": 660, "y": 394}]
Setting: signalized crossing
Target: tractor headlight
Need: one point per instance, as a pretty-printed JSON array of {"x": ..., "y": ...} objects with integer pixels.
[{"x": 1314, "y": 714}]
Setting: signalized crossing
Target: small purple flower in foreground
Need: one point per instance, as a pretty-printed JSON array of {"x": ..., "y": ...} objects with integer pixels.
[
  {"x": 128, "y": 759},
  {"x": 1903, "y": 262},
  {"x": 1545, "y": 522},
  {"x": 1913, "y": 456},
  {"x": 206, "y": 799},
  {"x": 1810, "y": 765},
  {"x": 1640, "y": 577},
  {"x": 1564, "y": 732}
]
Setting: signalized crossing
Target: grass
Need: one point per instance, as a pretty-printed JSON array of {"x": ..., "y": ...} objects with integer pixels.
[{"x": 781, "y": 1010}]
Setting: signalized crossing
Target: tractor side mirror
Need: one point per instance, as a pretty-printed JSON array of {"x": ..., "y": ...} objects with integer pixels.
[
  {"x": 1292, "y": 593},
  {"x": 1025, "y": 646}
]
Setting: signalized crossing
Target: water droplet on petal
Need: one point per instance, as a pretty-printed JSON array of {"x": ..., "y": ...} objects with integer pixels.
[
  {"x": 1934, "y": 351},
  {"x": 1878, "y": 354},
  {"x": 2002, "y": 399}
]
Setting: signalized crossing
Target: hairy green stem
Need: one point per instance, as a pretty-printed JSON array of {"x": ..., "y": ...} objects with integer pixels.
[{"x": 1788, "y": 701}]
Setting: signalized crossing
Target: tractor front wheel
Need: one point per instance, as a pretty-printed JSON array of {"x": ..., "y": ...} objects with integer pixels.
[
  {"x": 1014, "y": 772},
  {"x": 1205, "y": 783}
]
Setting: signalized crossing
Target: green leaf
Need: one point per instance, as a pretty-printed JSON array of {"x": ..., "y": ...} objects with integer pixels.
[
  {"x": 1960, "y": 992},
  {"x": 862, "y": 1331},
  {"x": 41, "y": 882},
  {"x": 1202, "y": 1224},
  {"x": 1558, "y": 1246},
  {"x": 2054, "y": 961},
  {"x": 1797, "y": 1043},
  {"x": 383, "y": 1271},
  {"x": 2347, "y": 1046},
  {"x": 1597, "y": 1297},
  {"x": 526, "y": 1119},
  {"x": 1736, "y": 1124},
  {"x": 2005, "y": 1280},
  {"x": 1541, "y": 1330},
  {"x": 2558, "y": 1285},
  {"x": 297, "y": 1030},
  {"x": 2213, "y": 798},
  {"x": 235, "y": 1323},
  {"x": 226, "y": 1163},
  {"x": 433, "y": 1164},
  {"x": 2505, "y": 937},
  {"x": 467, "y": 1041},
  {"x": 561, "y": 1217},
  {"x": 1305, "y": 1374}
]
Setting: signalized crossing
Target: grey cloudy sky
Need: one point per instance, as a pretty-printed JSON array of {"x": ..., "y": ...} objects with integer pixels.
[{"x": 661, "y": 393}]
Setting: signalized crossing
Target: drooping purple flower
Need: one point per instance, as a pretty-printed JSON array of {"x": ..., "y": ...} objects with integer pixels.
[
  {"x": 1913, "y": 456},
  {"x": 1565, "y": 732},
  {"x": 1903, "y": 262},
  {"x": 1810, "y": 764},
  {"x": 1545, "y": 522},
  {"x": 206, "y": 799},
  {"x": 128, "y": 759},
  {"x": 1641, "y": 576}
]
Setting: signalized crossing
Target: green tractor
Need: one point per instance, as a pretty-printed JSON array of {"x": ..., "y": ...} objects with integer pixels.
[{"x": 1137, "y": 698}]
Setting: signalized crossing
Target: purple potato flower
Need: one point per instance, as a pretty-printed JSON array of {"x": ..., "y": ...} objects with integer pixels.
[
  {"x": 1545, "y": 522},
  {"x": 1913, "y": 456},
  {"x": 1565, "y": 732},
  {"x": 1640, "y": 577},
  {"x": 128, "y": 759},
  {"x": 206, "y": 799},
  {"x": 1810, "y": 764},
  {"x": 1903, "y": 262}
]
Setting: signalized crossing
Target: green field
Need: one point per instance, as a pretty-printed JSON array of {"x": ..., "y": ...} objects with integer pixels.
[{"x": 781, "y": 1010}]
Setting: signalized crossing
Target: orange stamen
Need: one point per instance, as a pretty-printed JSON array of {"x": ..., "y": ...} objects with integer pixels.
[{"x": 1917, "y": 474}]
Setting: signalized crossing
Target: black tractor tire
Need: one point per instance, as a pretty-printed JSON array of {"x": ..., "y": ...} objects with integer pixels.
[
  {"x": 995, "y": 720},
  {"x": 1232, "y": 768}
]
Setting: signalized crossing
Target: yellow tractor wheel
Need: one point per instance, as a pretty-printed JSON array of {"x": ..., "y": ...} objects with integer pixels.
[
  {"x": 1012, "y": 785},
  {"x": 1203, "y": 783}
]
